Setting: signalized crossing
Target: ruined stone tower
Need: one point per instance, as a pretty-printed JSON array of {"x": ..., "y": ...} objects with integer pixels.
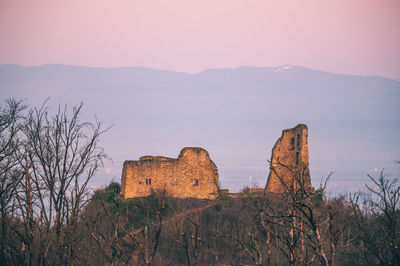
[
  {"x": 289, "y": 167},
  {"x": 192, "y": 175}
]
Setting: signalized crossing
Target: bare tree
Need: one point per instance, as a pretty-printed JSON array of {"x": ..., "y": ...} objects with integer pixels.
[
  {"x": 152, "y": 232},
  {"x": 297, "y": 223},
  {"x": 107, "y": 223},
  {"x": 377, "y": 217},
  {"x": 62, "y": 155},
  {"x": 10, "y": 175},
  {"x": 190, "y": 238}
]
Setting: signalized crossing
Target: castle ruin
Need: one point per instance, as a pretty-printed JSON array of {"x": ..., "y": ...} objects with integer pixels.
[
  {"x": 192, "y": 175},
  {"x": 289, "y": 166}
]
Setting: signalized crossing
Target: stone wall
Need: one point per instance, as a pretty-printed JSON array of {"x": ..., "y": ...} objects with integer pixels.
[
  {"x": 192, "y": 175},
  {"x": 289, "y": 161}
]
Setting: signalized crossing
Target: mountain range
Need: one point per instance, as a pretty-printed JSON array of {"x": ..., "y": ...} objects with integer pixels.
[{"x": 236, "y": 114}]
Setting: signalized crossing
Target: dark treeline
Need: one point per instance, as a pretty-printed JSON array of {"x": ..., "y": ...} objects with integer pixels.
[{"x": 48, "y": 216}]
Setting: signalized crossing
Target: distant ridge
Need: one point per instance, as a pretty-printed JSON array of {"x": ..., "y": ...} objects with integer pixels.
[
  {"x": 232, "y": 112},
  {"x": 245, "y": 69}
]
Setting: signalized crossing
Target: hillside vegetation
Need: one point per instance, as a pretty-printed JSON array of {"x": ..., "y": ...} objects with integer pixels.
[{"x": 242, "y": 229}]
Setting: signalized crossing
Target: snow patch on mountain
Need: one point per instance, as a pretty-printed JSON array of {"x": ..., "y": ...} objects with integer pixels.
[{"x": 284, "y": 67}]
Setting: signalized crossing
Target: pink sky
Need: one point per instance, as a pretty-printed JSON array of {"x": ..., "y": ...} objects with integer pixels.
[{"x": 346, "y": 36}]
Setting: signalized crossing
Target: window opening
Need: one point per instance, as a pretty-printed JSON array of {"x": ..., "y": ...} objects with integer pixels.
[
  {"x": 148, "y": 181},
  {"x": 195, "y": 182},
  {"x": 292, "y": 143},
  {"x": 298, "y": 141}
]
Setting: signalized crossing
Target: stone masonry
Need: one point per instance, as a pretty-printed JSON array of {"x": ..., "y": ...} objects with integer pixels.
[
  {"x": 192, "y": 175},
  {"x": 289, "y": 166}
]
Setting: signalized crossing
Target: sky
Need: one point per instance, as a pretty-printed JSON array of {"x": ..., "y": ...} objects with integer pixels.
[{"x": 342, "y": 36}]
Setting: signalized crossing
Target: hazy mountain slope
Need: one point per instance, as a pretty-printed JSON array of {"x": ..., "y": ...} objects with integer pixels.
[{"x": 236, "y": 114}]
